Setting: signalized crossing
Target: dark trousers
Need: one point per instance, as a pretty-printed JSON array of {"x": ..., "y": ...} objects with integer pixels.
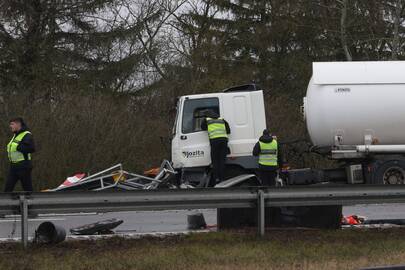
[
  {"x": 19, "y": 174},
  {"x": 219, "y": 150},
  {"x": 267, "y": 177}
]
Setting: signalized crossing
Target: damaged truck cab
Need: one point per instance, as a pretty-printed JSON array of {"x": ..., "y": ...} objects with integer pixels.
[{"x": 242, "y": 107}]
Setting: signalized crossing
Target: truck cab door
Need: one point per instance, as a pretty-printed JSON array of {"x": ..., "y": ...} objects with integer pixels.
[{"x": 190, "y": 144}]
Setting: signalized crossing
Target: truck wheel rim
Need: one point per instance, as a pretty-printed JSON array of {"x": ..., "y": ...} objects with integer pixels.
[{"x": 394, "y": 176}]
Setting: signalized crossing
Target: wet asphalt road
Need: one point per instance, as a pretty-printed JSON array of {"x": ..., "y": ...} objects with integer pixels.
[
  {"x": 134, "y": 222},
  {"x": 167, "y": 221}
]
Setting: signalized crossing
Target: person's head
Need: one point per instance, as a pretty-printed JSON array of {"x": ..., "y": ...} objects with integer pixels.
[
  {"x": 211, "y": 114},
  {"x": 16, "y": 124},
  {"x": 266, "y": 132}
]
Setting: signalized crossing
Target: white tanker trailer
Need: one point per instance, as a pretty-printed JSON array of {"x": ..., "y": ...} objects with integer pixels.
[{"x": 355, "y": 112}]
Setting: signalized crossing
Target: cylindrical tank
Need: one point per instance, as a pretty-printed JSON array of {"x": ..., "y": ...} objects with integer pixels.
[{"x": 355, "y": 110}]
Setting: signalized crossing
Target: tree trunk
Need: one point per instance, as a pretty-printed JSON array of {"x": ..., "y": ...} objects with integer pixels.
[
  {"x": 343, "y": 34},
  {"x": 397, "y": 23}
]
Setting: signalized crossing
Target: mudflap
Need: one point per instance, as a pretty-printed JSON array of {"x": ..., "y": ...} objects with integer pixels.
[{"x": 321, "y": 217}]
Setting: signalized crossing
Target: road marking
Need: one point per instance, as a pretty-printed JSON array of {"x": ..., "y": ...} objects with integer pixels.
[
  {"x": 32, "y": 220},
  {"x": 68, "y": 215},
  {"x": 57, "y": 215}
]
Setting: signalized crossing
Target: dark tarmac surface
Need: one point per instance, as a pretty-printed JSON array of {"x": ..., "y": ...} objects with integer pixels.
[
  {"x": 134, "y": 222},
  {"x": 166, "y": 221}
]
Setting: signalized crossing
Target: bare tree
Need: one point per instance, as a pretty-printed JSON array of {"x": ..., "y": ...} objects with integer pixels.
[
  {"x": 396, "y": 40},
  {"x": 343, "y": 30},
  {"x": 153, "y": 17}
]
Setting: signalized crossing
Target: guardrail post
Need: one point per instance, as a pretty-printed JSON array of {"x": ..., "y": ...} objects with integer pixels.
[
  {"x": 24, "y": 220},
  {"x": 260, "y": 212}
]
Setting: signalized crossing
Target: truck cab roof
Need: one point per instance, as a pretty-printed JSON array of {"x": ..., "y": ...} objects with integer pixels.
[
  {"x": 243, "y": 88},
  {"x": 246, "y": 88}
]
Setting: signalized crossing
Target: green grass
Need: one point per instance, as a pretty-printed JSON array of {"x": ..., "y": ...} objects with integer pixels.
[{"x": 286, "y": 249}]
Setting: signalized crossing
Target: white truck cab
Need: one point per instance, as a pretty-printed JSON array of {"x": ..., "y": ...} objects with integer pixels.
[{"x": 242, "y": 107}]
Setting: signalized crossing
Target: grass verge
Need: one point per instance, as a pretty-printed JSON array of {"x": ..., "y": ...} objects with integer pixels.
[{"x": 342, "y": 249}]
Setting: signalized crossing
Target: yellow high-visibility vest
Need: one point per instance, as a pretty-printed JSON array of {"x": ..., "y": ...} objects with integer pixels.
[
  {"x": 216, "y": 128},
  {"x": 268, "y": 153},
  {"x": 14, "y": 155}
]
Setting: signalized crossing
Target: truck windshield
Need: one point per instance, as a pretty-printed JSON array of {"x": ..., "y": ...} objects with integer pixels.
[{"x": 193, "y": 113}]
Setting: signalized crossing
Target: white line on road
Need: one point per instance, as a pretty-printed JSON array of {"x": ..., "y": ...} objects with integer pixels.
[
  {"x": 68, "y": 215},
  {"x": 32, "y": 220},
  {"x": 58, "y": 215}
]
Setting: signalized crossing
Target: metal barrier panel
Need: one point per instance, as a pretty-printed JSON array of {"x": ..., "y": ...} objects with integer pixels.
[{"x": 150, "y": 200}]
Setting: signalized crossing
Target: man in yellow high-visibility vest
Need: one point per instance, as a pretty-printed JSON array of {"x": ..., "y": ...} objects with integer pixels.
[
  {"x": 19, "y": 151},
  {"x": 218, "y": 130},
  {"x": 267, "y": 149}
]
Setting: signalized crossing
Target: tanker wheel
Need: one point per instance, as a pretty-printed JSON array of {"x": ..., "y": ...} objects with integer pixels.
[
  {"x": 391, "y": 172},
  {"x": 394, "y": 176}
]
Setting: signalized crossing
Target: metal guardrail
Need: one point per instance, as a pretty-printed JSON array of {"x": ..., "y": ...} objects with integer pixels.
[
  {"x": 171, "y": 199},
  {"x": 396, "y": 267}
]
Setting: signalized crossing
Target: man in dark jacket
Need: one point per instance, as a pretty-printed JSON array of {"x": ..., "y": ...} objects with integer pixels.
[
  {"x": 218, "y": 130},
  {"x": 19, "y": 151},
  {"x": 267, "y": 149}
]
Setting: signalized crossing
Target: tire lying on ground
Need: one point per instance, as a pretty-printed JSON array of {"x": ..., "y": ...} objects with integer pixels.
[
  {"x": 49, "y": 233},
  {"x": 196, "y": 221}
]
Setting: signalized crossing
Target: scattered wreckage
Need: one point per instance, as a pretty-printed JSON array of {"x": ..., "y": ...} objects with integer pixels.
[{"x": 117, "y": 178}]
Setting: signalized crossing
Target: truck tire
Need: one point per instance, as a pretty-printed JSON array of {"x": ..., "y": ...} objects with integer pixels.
[{"x": 389, "y": 172}]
